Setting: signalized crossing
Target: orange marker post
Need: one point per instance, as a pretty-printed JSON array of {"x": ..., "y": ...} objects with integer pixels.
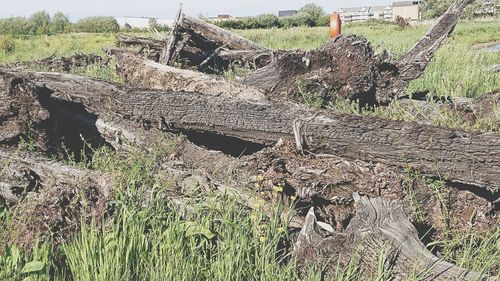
[{"x": 335, "y": 25}]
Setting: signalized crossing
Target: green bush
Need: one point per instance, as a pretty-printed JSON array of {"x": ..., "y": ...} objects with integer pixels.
[
  {"x": 97, "y": 25},
  {"x": 7, "y": 45},
  {"x": 40, "y": 23},
  {"x": 17, "y": 26}
]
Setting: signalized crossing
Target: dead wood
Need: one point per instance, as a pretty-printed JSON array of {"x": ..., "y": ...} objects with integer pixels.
[
  {"x": 347, "y": 68},
  {"x": 338, "y": 177},
  {"x": 166, "y": 54},
  {"x": 413, "y": 63},
  {"x": 344, "y": 68},
  {"x": 194, "y": 41},
  {"x": 379, "y": 226},
  {"x": 327, "y": 183},
  {"x": 50, "y": 198},
  {"x": 455, "y": 155},
  {"x": 147, "y": 73}
]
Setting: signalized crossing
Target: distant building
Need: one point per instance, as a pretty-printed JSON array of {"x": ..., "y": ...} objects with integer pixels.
[
  {"x": 141, "y": 22},
  {"x": 365, "y": 13},
  {"x": 287, "y": 13},
  {"x": 381, "y": 12},
  {"x": 407, "y": 10}
]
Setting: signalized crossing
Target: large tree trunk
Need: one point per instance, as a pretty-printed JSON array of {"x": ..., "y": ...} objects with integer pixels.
[
  {"x": 322, "y": 181},
  {"x": 455, "y": 155},
  {"x": 379, "y": 226}
]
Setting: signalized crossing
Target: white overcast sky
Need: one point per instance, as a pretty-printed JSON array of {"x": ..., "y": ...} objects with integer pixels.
[{"x": 77, "y": 9}]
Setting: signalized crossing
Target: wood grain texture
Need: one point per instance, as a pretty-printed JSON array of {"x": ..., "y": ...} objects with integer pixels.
[{"x": 456, "y": 155}]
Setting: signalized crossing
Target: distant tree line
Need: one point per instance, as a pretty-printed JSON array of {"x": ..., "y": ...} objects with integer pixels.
[
  {"x": 41, "y": 23},
  {"x": 309, "y": 15}
]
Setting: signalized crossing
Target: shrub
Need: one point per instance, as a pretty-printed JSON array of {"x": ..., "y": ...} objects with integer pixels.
[
  {"x": 17, "y": 26},
  {"x": 42, "y": 21},
  {"x": 97, "y": 25},
  {"x": 7, "y": 44}
]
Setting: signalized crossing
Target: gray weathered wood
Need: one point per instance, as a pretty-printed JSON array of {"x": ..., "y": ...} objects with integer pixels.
[
  {"x": 379, "y": 226},
  {"x": 413, "y": 63},
  {"x": 455, "y": 155}
]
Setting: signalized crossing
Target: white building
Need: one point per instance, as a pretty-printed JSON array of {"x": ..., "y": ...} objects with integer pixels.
[{"x": 365, "y": 13}]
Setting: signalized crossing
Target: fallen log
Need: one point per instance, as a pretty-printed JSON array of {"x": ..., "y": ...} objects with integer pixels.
[
  {"x": 325, "y": 182},
  {"x": 344, "y": 68},
  {"x": 454, "y": 155},
  {"x": 146, "y": 73},
  {"x": 50, "y": 198},
  {"x": 379, "y": 226},
  {"x": 339, "y": 177}
]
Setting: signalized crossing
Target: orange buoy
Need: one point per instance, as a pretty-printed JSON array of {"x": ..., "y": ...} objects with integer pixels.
[{"x": 335, "y": 25}]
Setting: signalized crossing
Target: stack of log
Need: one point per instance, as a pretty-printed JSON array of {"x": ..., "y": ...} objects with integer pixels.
[{"x": 346, "y": 174}]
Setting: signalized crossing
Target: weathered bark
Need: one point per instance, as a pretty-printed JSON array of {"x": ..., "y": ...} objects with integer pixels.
[
  {"x": 413, "y": 63},
  {"x": 455, "y": 155},
  {"x": 379, "y": 226},
  {"x": 166, "y": 54},
  {"x": 347, "y": 68},
  {"x": 194, "y": 41},
  {"x": 146, "y": 73},
  {"x": 50, "y": 197},
  {"x": 207, "y": 34}
]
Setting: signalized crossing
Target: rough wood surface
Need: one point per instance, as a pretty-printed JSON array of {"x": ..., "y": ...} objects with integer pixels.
[
  {"x": 455, "y": 155},
  {"x": 378, "y": 226},
  {"x": 49, "y": 197},
  {"x": 149, "y": 74},
  {"x": 413, "y": 63},
  {"x": 211, "y": 34},
  {"x": 166, "y": 54}
]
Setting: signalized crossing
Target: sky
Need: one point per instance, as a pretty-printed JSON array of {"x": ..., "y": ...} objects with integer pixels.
[{"x": 166, "y": 8}]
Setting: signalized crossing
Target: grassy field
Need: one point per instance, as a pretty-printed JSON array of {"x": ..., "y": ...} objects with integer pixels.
[{"x": 219, "y": 239}]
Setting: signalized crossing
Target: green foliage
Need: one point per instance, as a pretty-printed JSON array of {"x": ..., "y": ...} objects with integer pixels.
[
  {"x": 97, "y": 25},
  {"x": 59, "y": 23},
  {"x": 153, "y": 24},
  {"x": 7, "y": 45},
  {"x": 313, "y": 10},
  {"x": 309, "y": 15},
  {"x": 42, "y": 22},
  {"x": 17, "y": 26}
]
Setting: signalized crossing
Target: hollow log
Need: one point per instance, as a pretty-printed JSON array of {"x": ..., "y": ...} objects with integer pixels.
[
  {"x": 454, "y": 155},
  {"x": 323, "y": 181},
  {"x": 379, "y": 226}
]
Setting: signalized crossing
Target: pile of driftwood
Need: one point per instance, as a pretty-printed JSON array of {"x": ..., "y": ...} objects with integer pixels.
[{"x": 346, "y": 174}]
